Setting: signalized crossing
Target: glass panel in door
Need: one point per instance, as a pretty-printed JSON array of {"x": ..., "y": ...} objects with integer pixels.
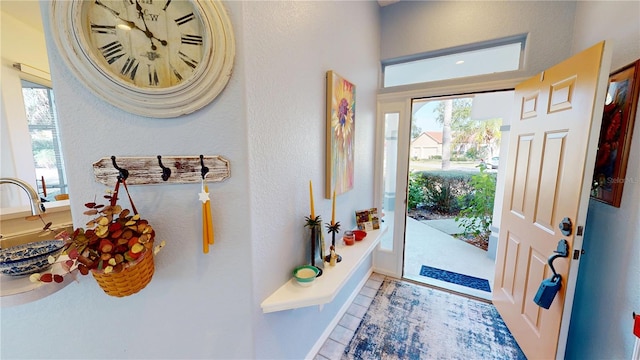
[{"x": 390, "y": 176}]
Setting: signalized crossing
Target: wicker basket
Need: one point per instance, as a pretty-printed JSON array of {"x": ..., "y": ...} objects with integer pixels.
[
  {"x": 137, "y": 274},
  {"x": 133, "y": 278}
]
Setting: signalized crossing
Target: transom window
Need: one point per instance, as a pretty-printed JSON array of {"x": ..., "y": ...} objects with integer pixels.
[{"x": 478, "y": 59}]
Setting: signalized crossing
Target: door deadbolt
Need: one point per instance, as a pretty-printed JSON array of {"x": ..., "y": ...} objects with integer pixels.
[{"x": 565, "y": 226}]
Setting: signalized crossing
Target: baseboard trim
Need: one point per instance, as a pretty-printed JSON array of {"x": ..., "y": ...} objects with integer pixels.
[{"x": 325, "y": 335}]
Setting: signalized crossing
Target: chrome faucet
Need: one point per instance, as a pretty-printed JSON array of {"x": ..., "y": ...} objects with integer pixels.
[{"x": 36, "y": 206}]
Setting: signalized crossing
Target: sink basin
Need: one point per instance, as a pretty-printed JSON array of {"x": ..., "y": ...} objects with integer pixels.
[
  {"x": 17, "y": 290},
  {"x": 28, "y": 253},
  {"x": 25, "y": 238}
]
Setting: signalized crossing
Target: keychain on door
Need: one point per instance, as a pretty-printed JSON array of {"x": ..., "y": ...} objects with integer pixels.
[{"x": 550, "y": 287}]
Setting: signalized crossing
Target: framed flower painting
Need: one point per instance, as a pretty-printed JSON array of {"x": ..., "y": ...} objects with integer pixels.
[{"x": 341, "y": 117}]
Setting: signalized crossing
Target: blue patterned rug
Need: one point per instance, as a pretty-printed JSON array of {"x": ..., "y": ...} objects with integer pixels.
[
  {"x": 407, "y": 321},
  {"x": 455, "y": 278}
]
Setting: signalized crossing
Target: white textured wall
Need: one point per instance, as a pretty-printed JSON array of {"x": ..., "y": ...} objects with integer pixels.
[
  {"x": 196, "y": 306},
  {"x": 608, "y": 288},
  {"x": 17, "y": 156},
  {"x": 414, "y": 27},
  {"x": 270, "y": 123},
  {"x": 289, "y": 47}
]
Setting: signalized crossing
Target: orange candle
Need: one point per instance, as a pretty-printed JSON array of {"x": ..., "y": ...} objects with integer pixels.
[
  {"x": 333, "y": 209},
  {"x": 205, "y": 231},
  {"x": 210, "y": 232},
  {"x": 313, "y": 213}
]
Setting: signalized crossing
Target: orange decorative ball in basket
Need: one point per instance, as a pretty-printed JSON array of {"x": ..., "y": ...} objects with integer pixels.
[{"x": 116, "y": 247}]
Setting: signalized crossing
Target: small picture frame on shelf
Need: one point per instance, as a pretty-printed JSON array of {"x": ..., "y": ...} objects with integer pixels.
[{"x": 367, "y": 219}]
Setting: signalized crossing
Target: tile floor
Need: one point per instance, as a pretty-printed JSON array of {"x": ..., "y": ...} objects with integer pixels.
[
  {"x": 424, "y": 245},
  {"x": 339, "y": 338}
]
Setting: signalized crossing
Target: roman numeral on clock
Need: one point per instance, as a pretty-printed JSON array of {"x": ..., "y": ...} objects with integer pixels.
[
  {"x": 130, "y": 68},
  {"x": 187, "y": 60},
  {"x": 153, "y": 76},
  {"x": 192, "y": 39},
  {"x": 112, "y": 51},
  {"x": 185, "y": 19},
  {"x": 103, "y": 29},
  {"x": 176, "y": 73}
]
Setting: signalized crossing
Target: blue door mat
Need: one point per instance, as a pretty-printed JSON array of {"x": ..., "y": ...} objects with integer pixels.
[{"x": 455, "y": 278}]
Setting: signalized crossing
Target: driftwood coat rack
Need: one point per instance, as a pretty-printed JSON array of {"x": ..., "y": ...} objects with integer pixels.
[{"x": 161, "y": 169}]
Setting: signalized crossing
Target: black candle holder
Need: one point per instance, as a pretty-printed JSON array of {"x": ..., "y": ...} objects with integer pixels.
[
  {"x": 333, "y": 229},
  {"x": 314, "y": 225}
]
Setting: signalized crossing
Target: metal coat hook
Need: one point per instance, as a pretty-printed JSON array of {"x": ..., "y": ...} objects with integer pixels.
[
  {"x": 166, "y": 172},
  {"x": 204, "y": 170},
  {"x": 124, "y": 173}
]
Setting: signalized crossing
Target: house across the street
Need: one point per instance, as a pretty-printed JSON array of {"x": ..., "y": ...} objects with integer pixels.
[{"x": 426, "y": 145}]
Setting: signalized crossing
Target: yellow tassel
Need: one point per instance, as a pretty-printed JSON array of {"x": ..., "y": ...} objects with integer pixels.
[{"x": 210, "y": 233}]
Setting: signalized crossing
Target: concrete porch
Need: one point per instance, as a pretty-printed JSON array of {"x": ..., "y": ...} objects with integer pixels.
[{"x": 427, "y": 245}]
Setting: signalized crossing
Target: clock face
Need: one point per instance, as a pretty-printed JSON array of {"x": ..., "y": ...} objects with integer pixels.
[
  {"x": 155, "y": 58},
  {"x": 145, "y": 43}
]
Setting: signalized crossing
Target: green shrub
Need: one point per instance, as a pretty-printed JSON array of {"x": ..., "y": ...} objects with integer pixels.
[
  {"x": 416, "y": 193},
  {"x": 476, "y": 216},
  {"x": 471, "y": 154},
  {"x": 438, "y": 190},
  {"x": 435, "y": 157}
]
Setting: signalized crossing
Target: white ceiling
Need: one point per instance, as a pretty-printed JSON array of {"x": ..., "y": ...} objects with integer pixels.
[{"x": 27, "y": 12}]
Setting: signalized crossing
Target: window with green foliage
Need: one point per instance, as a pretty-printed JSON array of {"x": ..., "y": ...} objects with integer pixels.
[{"x": 45, "y": 141}]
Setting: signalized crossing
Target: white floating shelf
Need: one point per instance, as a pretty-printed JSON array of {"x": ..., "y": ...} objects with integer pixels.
[
  {"x": 16, "y": 290},
  {"x": 325, "y": 288}
]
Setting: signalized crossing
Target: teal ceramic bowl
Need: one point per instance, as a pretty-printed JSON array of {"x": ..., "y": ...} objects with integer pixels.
[{"x": 305, "y": 275}]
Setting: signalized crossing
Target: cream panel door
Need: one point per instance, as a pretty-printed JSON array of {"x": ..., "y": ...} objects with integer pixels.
[{"x": 547, "y": 178}]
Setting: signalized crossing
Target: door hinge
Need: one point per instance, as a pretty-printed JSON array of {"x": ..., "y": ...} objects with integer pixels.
[
  {"x": 579, "y": 231},
  {"x": 577, "y": 253}
]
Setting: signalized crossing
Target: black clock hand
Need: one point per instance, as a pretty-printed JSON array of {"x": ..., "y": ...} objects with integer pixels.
[
  {"x": 132, "y": 24},
  {"x": 146, "y": 31},
  {"x": 115, "y": 13}
]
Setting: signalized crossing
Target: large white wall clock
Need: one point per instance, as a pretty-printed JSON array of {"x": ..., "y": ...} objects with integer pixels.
[{"x": 155, "y": 58}]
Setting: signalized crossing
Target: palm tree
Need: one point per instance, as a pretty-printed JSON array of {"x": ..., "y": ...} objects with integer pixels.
[
  {"x": 446, "y": 134},
  {"x": 449, "y": 113}
]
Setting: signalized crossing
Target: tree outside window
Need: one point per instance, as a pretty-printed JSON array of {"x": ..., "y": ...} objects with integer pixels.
[{"x": 45, "y": 142}]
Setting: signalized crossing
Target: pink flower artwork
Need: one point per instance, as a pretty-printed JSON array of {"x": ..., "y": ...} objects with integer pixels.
[{"x": 341, "y": 112}]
